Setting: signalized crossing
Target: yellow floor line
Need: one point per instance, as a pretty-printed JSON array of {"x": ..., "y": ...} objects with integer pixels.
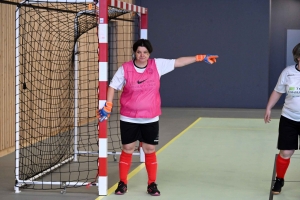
[
  {"x": 226, "y": 128},
  {"x": 141, "y": 166}
]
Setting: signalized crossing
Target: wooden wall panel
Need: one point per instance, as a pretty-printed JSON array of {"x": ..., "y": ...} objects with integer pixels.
[{"x": 7, "y": 78}]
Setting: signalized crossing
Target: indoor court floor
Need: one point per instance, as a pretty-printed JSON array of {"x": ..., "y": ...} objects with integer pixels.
[{"x": 209, "y": 154}]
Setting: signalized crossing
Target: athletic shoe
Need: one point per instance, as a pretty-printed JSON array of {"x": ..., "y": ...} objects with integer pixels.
[
  {"x": 152, "y": 189},
  {"x": 122, "y": 188},
  {"x": 279, "y": 182}
]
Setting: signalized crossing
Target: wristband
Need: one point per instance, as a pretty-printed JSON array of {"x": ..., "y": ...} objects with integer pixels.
[{"x": 200, "y": 58}]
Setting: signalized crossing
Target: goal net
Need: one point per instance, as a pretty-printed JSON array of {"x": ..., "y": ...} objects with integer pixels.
[{"x": 58, "y": 90}]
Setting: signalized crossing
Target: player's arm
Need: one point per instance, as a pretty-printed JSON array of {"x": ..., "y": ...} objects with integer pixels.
[
  {"x": 183, "y": 61},
  {"x": 110, "y": 94},
  {"x": 275, "y": 96},
  {"x": 106, "y": 110},
  {"x": 117, "y": 82}
]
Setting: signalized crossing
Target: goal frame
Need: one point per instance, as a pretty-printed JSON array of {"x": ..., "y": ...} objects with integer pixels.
[
  {"x": 103, "y": 76},
  {"x": 103, "y": 57}
]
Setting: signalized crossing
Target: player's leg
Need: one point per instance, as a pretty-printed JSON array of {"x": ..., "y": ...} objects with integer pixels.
[
  {"x": 150, "y": 135},
  {"x": 282, "y": 164},
  {"x": 287, "y": 143},
  {"x": 129, "y": 135}
]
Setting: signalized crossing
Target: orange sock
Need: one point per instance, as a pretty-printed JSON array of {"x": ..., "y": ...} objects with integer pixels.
[
  {"x": 124, "y": 166},
  {"x": 151, "y": 167},
  {"x": 281, "y": 166}
]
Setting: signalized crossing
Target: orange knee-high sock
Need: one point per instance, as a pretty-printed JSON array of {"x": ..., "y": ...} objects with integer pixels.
[
  {"x": 151, "y": 166},
  {"x": 124, "y": 166},
  {"x": 281, "y": 166}
]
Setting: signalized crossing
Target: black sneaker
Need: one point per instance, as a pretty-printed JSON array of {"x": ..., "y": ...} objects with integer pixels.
[
  {"x": 122, "y": 188},
  {"x": 279, "y": 182},
  {"x": 152, "y": 189}
]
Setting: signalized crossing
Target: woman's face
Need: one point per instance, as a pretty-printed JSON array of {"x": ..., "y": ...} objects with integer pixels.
[{"x": 142, "y": 54}]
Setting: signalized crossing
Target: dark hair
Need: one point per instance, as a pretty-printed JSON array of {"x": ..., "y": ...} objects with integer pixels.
[
  {"x": 142, "y": 43},
  {"x": 296, "y": 53}
]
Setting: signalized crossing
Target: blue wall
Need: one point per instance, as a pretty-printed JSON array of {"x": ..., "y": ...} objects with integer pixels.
[
  {"x": 238, "y": 31},
  {"x": 284, "y": 16}
]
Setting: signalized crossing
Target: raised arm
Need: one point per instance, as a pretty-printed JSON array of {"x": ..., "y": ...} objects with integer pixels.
[
  {"x": 275, "y": 96},
  {"x": 183, "y": 61}
]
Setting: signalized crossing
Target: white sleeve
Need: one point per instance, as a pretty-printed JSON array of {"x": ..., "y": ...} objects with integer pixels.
[
  {"x": 164, "y": 65},
  {"x": 118, "y": 79},
  {"x": 281, "y": 83}
]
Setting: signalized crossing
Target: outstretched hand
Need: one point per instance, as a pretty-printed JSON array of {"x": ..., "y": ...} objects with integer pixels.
[{"x": 210, "y": 59}]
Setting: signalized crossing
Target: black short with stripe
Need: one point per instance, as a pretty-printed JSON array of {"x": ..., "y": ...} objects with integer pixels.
[
  {"x": 289, "y": 132},
  {"x": 147, "y": 133}
]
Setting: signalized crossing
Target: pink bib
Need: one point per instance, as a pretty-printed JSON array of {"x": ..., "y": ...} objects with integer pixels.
[{"x": 140, "y": 97}]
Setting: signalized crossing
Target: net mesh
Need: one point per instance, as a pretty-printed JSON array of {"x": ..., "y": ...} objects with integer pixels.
[{"x": 58, "y": 90}]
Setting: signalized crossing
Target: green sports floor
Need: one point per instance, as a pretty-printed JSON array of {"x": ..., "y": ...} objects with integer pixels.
[{"x": 209, "y": 154}]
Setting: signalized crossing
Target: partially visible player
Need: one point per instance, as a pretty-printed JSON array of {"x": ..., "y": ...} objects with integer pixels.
[
  {"x": 289, "y": 125},
  {"x": 141, "y": 107}
]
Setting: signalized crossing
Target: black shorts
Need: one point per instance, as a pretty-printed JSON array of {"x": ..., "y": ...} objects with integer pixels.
[
  {"x": 147, "y": 133},
  {"x": 289, "y": 132}
]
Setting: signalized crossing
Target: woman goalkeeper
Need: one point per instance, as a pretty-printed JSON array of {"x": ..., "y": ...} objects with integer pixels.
[{"x": 141, "y": 107}]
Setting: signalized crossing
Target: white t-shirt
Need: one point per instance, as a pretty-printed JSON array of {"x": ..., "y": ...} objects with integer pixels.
[
  {"x": 289, "y": 83},
  {"x": 164, "y": 66}
]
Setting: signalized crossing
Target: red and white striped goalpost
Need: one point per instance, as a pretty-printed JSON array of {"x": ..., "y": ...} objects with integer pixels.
[{"x": 103, "y": 78}]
